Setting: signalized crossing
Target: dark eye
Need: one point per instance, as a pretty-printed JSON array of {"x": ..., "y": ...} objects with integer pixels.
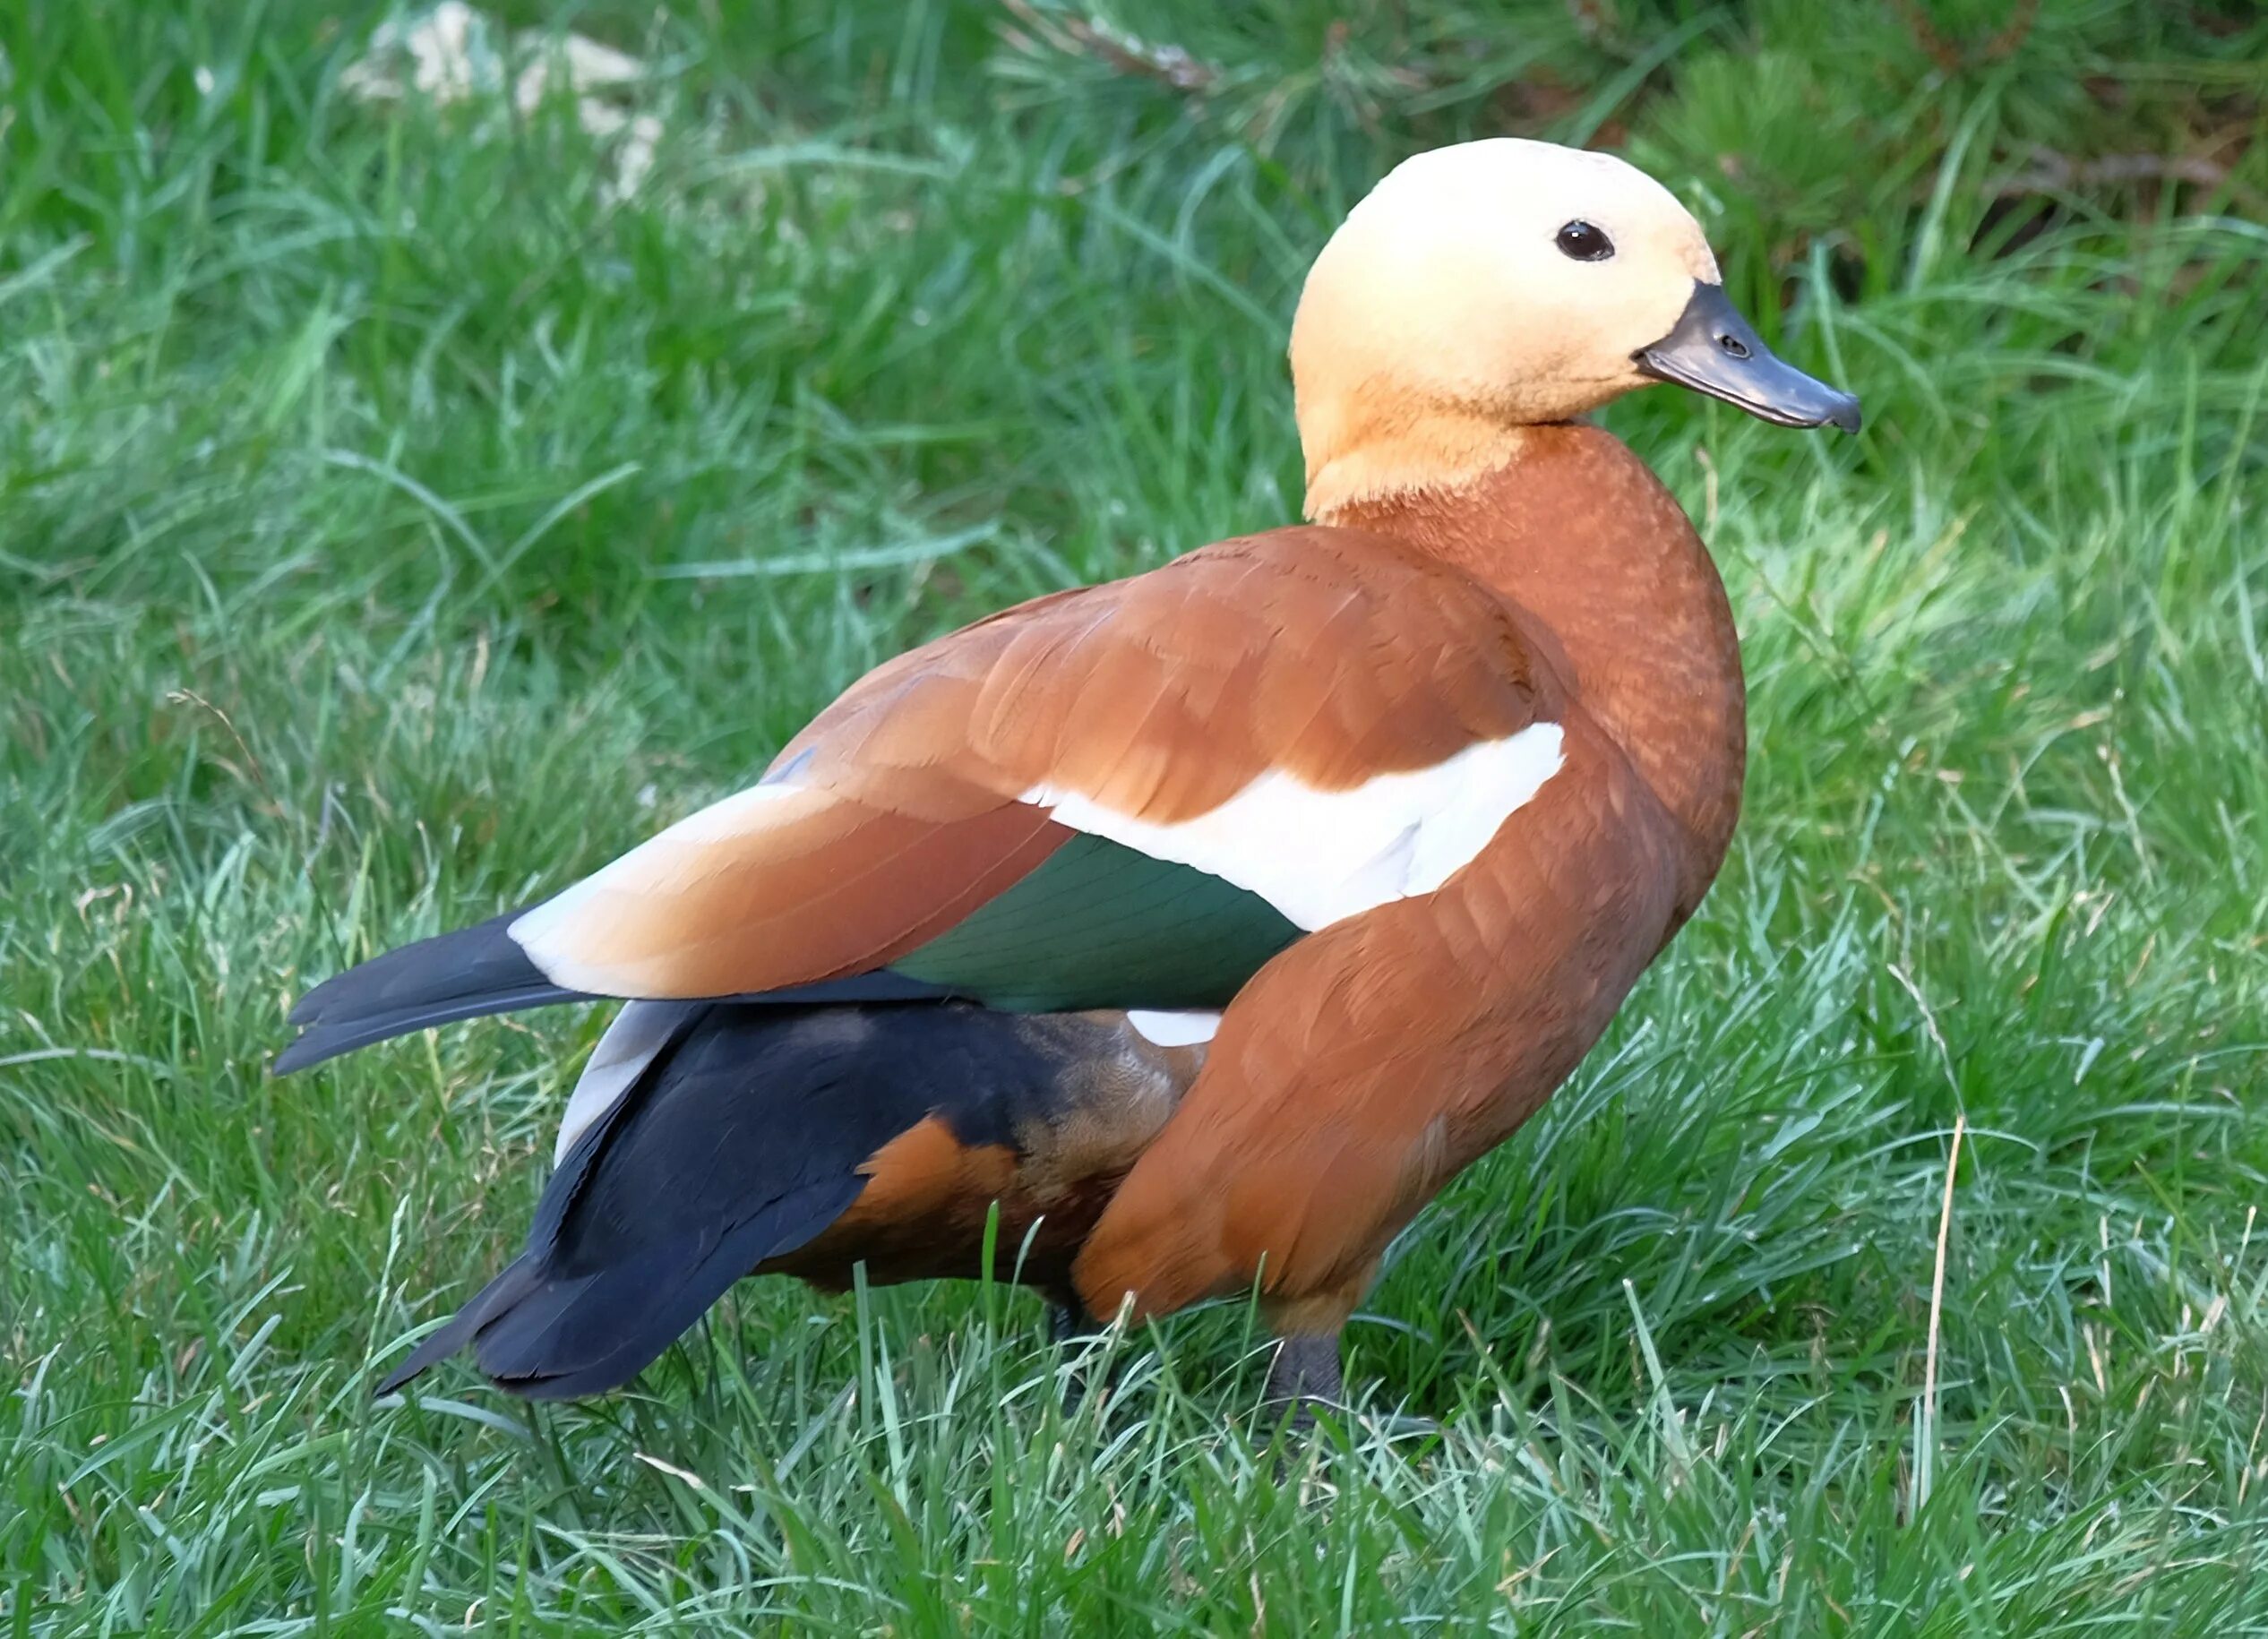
[{"x": 1584, "y": 243}]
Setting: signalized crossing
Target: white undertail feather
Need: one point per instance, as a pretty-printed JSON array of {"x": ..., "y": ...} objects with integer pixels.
[
  {"x": 1163, "y": 1029},
  {"x": 638, "y": 1032}
]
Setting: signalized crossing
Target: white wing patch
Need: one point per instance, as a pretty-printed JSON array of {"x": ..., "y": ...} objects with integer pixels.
[
  {"x": 1161, "y": 1029},
  {"x": 1321, "y": 856}
]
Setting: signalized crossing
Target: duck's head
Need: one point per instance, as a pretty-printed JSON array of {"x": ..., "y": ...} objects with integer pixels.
[{"x": 1496, "y": 285}]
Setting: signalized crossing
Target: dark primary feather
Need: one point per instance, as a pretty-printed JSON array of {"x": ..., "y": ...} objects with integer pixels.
[
  {"x": 480, "y": 970},
  {"x": 464, "y": 974},
  {"x": 739, "y": 1140}
]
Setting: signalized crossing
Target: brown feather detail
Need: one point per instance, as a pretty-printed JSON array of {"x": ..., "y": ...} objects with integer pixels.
[
  {"x": 1370, "y": 1060},
  {"x": 816, "y": 888},
  {"x": 1621, "y": 599},
  {"x": 1316, "y": 1314},
  {"x": 925, "y": 1176},
  {"x": 1332, "y": 654}
]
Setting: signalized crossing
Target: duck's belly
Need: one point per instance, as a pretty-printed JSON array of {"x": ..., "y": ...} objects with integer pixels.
[{"x": 1047, "y": 1152}]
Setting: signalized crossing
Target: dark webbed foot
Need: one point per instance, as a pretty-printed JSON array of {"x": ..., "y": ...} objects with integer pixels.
[
  {"x": 1070, "y": 1328},
  {"x": 1067, "y": 1326}
]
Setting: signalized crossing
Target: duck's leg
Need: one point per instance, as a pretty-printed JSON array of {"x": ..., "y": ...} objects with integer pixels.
[
  {"x": 1305, "y": 1376},
  {"x": 1066, "y": 1325}
]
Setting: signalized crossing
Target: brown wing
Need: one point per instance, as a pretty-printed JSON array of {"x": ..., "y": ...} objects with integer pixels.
[{"x": 1330, "y": 655}]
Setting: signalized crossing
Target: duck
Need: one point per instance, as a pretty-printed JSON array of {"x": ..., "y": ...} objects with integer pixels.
[{"x": 1179, "y": 938}]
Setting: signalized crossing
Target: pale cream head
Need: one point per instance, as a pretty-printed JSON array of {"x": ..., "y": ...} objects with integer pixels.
[{"x": 1444, "y": 314}]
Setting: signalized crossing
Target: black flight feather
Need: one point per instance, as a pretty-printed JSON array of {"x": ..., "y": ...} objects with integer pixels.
[
  {"x": 481, "y": 970},
  {"x": 738, "y": 1140},
  {"x": 464, "y": 974}
]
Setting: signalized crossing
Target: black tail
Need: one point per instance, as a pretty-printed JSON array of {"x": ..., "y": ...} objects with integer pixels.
[
  {"x": 476, "y": 970},
  {"x": 737, "y": 1140},
  {"x": 463, "y": 974}
]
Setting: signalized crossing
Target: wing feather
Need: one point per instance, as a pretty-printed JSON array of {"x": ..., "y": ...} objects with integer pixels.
[{"x": 1305, "y": 660}]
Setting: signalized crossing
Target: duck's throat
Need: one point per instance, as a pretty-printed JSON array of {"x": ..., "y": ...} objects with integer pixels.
[
  {"x": 1369, "y": 453},
  {"x": 1579, "y": 536}
]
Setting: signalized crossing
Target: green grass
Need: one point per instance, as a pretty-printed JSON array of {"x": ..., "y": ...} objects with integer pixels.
[{"x": 396, "y": 524}]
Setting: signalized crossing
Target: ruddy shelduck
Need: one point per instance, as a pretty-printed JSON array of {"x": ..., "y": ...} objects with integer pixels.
[{"x": 1203, "y": 923}]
